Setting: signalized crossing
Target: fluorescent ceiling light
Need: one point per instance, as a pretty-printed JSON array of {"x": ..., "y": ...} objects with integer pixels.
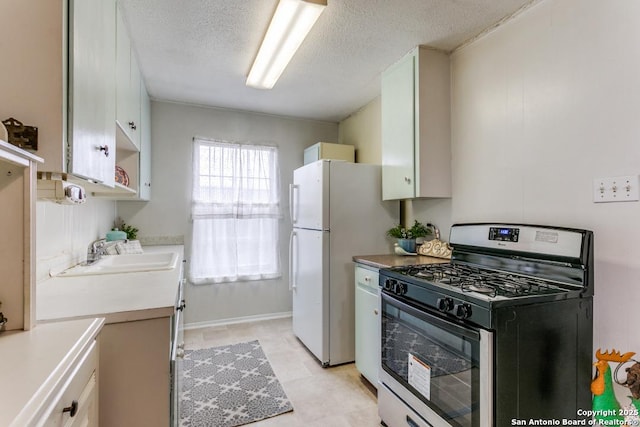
[{"x": 290, "y": 25}]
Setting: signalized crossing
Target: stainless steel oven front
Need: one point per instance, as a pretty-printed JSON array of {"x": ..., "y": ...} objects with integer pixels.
[{"x": 435, "y": 371}]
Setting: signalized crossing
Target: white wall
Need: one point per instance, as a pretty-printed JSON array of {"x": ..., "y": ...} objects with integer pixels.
[
  {"x": 63, "y": 232},
  {"x": 542, "y": 106},
  {"x": 362, "y": 130},
  {"x": 166, "y": 216}
]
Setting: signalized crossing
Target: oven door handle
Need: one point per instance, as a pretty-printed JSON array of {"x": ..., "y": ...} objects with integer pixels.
[{"x": 425, "y": 315}]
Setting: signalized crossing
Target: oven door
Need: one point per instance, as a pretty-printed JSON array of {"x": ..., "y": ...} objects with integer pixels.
[{"x": 441, "y": 369}]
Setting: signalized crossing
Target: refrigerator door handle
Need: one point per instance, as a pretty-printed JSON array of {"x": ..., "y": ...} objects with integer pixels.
[
  {"x": 292, "y": 188},
  {"x": 292, "y": 284}
]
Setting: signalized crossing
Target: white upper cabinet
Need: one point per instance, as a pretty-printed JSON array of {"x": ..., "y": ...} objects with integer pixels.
[
  {"x": 416, "y": 155},
  {"x": 68, "y": 86},
  {"x": 65, "y": 82},
  {"x": 127, "y": 84},
  {"x": 92, "y": 90},
  {"x": 144, "y": 184},
  {"x": 398, "y": 163},
  {"x": 136, "y": 163}
]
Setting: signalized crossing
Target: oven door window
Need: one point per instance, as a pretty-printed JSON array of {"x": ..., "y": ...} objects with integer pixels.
[{"x": 435, "y": 359}]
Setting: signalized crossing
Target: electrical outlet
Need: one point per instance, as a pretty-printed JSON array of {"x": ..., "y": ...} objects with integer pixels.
[{"x": 616, "y": 189}]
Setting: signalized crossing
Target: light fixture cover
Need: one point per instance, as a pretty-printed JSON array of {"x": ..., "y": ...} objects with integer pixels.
[{"x": 289, "y": 26}]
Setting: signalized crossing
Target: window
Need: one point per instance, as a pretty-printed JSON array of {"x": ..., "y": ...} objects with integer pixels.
[{"x": 235, "y": 212}]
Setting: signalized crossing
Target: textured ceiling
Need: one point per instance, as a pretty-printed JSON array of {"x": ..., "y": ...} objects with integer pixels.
[{"x": 200, "y": 51}]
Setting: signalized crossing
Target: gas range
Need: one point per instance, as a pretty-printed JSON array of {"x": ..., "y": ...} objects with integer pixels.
[
  {"x": 498, "y": 265},
  {"x": 466, "y": 343}
]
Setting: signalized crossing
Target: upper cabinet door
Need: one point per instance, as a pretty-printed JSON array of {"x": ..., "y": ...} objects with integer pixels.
[
  {"x": 398, "y": 128},
  {"x": 144, "y": 186},
  {"x": 92, "y": 89},
  {"x": 416, "y": 127},
  {"x": 127, "y": 84}
]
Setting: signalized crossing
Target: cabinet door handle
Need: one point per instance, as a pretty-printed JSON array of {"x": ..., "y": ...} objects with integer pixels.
[
  {"x": 132, "y": 125},
  {"x": 407, "y": 180},
  {"x": 105, "y": 148},
  {"x": 375, "y": 312},
  {"x": 367, "y": 278},
  {"x": 72, "y": 410}
]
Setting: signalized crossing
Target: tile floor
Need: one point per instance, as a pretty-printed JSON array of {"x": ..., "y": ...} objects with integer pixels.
[{"x": 321, "y": 397}]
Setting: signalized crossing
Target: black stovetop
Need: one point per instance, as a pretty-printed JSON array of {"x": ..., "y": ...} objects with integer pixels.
[{"x": 482, "y": 282}]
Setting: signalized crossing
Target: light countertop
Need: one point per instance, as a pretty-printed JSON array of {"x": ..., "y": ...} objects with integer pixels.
[
  {"x": 392, "y": 260},
  {"x": 116, "y": 297},
  {"x": 35, "y": 363}
]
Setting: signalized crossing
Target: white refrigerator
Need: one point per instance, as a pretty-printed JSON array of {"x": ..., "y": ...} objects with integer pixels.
[{"x": 337, "y": 212}]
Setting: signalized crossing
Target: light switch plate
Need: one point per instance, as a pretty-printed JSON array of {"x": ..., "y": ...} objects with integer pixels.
[{"x": 616, "y": 189}]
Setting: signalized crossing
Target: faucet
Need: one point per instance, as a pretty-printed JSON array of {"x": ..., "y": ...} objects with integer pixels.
[{"x": 95, "y": 251}]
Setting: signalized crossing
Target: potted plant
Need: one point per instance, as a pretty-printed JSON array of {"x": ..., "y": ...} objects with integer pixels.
[
  {"x": 132, "y": 232},
  {"x": 420, "y": 230},
  {"x": 407, "y": 236}
]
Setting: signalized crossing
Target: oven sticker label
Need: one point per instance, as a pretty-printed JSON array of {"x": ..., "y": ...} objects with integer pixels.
[
  {"x": 420, "y": 376},
  {"x": 547, "y": 236}
]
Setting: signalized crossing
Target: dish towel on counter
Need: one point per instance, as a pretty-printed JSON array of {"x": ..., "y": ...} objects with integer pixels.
[{"x": 129, "y": 247}]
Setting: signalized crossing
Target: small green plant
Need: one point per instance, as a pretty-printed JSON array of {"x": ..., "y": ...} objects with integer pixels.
[
  {"x": 399, "y": 232},
  {"x": 132, "y": 232},
  {"x": 416, "y": 230},
  {"x": 419, "y": 230}
]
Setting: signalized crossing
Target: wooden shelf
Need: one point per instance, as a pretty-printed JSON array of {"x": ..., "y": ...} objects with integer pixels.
[
  {"x": 12, "y": 154},
  {"x": 117, "y": 192}
]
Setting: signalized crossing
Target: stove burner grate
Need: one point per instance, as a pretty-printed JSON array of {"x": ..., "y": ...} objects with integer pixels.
[
  {"x": 487, "y": 282},
  {"x": 451, "y": 280},
  {"x": 480, "y": 287}
]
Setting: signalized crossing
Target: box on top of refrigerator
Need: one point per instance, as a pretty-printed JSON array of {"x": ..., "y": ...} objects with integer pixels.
[{"x": 329, "y": 151}]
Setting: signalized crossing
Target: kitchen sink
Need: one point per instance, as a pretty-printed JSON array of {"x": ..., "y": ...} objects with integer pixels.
[{"x": 130, "y": 263}]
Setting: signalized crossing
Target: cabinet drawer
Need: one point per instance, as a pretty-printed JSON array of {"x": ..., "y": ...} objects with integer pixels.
[
  {"x": 366, "y": 278},
  {"x": 79, "y": 391}
]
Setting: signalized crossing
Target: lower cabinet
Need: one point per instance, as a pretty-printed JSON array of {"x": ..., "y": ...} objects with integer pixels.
[
  {"x": 50, "y": 375},
  {"x": 78, "y": 404},
  {"x": 134, "y": 373},
  {"x": 367, "y": 323}
]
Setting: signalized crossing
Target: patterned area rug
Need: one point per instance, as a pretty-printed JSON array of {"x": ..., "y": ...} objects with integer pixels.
[{"x": 229, "y": 386}]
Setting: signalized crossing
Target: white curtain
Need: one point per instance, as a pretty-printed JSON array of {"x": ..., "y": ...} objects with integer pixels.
[{"x": 235, "y": 212}]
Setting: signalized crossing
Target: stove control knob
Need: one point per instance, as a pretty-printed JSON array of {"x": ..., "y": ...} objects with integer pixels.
[
  {"x": 390, "y": 284},
  {"x": 445, "y": 304},
  {"x": 400, "y": 288},
  {"x": 462, "y": 311}
]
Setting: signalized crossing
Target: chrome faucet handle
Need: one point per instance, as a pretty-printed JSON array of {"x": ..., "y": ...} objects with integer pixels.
[
  {"x": 95, "y": 250},
  {"x": 97, "y": 246}
]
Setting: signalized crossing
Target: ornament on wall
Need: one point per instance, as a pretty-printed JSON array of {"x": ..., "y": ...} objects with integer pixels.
[{"x": 20, "y": 135}]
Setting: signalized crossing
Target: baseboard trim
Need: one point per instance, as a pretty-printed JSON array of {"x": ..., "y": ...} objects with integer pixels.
[{"x": 236, "y": 320}]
